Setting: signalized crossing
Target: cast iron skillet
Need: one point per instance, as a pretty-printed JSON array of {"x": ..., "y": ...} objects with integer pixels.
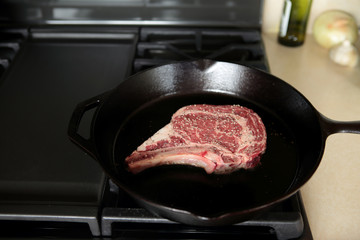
[{"x": 129, "y": 114}]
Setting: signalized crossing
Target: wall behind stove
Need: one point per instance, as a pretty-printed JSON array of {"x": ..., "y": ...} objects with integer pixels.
[{"x": 273, "y": 8}]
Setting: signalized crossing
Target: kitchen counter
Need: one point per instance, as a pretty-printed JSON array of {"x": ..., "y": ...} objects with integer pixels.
[{"x": 332, "y": 196}]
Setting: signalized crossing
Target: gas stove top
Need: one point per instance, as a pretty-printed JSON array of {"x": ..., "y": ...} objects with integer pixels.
[
  {"x": 47, "y": 73},
  {"x": 49, "y": 187}
]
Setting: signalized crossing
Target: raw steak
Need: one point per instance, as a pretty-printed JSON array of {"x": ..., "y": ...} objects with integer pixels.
[{"x": 218, "y": 138}]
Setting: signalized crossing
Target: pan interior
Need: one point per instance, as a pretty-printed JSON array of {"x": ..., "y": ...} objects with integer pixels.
[{"x": 191, "y": 189}]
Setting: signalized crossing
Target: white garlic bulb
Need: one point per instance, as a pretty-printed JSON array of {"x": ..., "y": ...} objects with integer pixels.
[{"x": 345, "y": 54}]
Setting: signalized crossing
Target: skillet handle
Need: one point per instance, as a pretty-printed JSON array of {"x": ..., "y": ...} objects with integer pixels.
[
  {"x": 86, "y": 144},
  {"x": 330, "y": 126}
]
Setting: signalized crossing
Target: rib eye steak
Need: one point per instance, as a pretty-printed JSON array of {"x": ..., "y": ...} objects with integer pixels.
[{"x": 218, "y": 138}]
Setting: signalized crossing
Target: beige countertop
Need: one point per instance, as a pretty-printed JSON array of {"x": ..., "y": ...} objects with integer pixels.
[{"x": 332, "y": 196}]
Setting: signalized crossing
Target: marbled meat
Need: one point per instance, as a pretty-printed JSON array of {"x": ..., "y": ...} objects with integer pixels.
[{"x": 218, "y": 138}]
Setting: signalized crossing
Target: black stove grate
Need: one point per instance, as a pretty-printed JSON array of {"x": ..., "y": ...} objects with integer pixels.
[
  {"x": 122, "y": 216},
  {"x": 163, "y": 45}
]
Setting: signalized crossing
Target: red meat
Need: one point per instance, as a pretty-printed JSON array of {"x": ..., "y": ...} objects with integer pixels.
[{"x": 218, "y": 138}]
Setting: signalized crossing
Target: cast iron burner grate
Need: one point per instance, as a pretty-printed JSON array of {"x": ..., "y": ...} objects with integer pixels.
[
  {"x": 163, "y": 45},
  {"x": 123, "y": 217}
]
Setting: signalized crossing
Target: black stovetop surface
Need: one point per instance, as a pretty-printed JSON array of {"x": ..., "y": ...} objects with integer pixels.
[{"x": 49, "y": 187}]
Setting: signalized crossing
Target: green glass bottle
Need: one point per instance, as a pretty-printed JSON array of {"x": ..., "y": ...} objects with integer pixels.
[{"x": 294, "y": 19}]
